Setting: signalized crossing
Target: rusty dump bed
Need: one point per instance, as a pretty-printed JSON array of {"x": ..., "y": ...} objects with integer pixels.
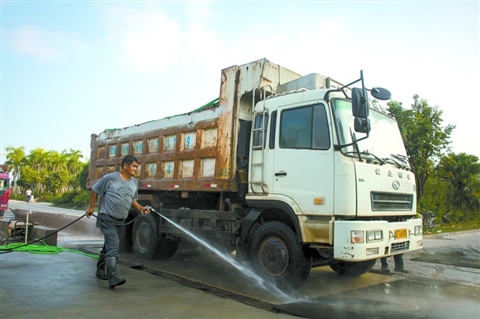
[{"x": 194, "y": 151}]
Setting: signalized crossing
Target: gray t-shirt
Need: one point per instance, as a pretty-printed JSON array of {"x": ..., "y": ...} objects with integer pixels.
[{"x": 116, "y": 195}]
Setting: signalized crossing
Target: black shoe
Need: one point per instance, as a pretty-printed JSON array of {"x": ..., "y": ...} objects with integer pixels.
[
  {"x": 385, "y": 270},
  {"x": 402, "y": 270},
  {"x": 101, "y": 274}
]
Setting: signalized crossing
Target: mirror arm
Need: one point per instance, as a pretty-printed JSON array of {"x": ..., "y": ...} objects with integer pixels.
[{"x": 339, "y": 147}]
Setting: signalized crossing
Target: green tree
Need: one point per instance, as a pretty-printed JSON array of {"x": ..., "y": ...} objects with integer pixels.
[
  {"x": 46, "y": 171},
  {"x": 426, "y": 140},
  {"x": 37, "y": 161},
  {"x": 15, "y": 161},
  {"x": 462, "y": 172},
  {"x": 30, "y": 177},
  {"x": 437, "y": 196},
  {"x": 74, "y": 167},
  {"x": 83, "y": 176},
  {"x": 57, "y": 181}
]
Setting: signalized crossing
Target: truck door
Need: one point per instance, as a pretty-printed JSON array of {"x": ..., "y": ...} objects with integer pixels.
[{"x": 303, "y": 165}]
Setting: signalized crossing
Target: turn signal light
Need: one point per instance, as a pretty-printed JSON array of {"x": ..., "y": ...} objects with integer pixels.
[{"x": 357, "y": 236}]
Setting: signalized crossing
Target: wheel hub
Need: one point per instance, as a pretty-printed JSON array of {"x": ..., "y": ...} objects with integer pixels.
[
  {"x": 274, "y": 257},
  {"x": 143, "y": 236}
]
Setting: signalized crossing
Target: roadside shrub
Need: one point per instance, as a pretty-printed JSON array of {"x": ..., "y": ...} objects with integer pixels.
[
  {"x": 81, "y": 200},
  {"x": 74, "y": 199}
]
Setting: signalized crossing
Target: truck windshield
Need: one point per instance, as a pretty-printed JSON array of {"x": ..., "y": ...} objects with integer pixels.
[
  {"x": 3, "y": 184},
  {"x": 384, "y": 138}
]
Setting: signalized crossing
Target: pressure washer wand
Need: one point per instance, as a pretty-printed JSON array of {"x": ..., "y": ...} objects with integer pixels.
[{"x": 153, "y": 210}]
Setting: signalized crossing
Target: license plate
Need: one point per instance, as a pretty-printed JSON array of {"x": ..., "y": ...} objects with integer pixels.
[{"x": 400, "y": 233}]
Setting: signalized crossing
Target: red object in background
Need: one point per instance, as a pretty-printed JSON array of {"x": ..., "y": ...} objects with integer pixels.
[{"x": 5, "y": 189}]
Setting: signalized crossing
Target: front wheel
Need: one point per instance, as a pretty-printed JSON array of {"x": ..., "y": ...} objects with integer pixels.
[
  {"x": 352, "y": 269},
  {"x": 275, "y": 253}
]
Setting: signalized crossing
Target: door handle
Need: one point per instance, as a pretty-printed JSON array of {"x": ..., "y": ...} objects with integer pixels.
[{"x": 281, "y": 174}]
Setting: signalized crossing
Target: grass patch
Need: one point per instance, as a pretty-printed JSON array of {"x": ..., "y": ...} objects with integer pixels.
[{"x": 455, "y": 227}]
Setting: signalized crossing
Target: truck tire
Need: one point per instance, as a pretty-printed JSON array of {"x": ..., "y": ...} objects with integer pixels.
[
  {"x": 145, "y": 237},
  {"x": 167, "y": 247},
  {"x": 147, "y": 243},
  {"x": 276, "y": 254},
  {"x": 352, "y": 269}
]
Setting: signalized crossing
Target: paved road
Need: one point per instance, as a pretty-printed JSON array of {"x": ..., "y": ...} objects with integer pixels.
[
  {"x": 83, "y": 232},
  {"x": 43, "y": 207}
]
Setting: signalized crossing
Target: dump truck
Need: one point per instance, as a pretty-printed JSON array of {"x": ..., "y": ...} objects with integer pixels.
[{"x": 288, "y": 172}]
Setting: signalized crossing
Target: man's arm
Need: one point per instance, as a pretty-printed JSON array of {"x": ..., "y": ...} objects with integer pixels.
[
  {"x": 142, "y": 209},
  {"x": 93, "y": 198}
]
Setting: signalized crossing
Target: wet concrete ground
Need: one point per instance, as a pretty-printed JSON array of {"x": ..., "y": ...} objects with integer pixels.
[
  {"x": 407, "y": 298},
  {"x": 444, "y": 282},
  {"x": 327, "y": 295}
]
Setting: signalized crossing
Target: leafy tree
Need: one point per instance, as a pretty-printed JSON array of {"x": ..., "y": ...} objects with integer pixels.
[
  {"x": 82, "y": 177},
  {"x": 49, "y": 171},
  {"x": 462, "y": 172},
  {"x": 436, "y": 197},
  {"x": 57, "y": 181},
  {"x": 426, "y": 140},
  {"x": 15, "y": 161},
  {"x": 75, "y": 168},
  {"x": 30, "y": 177},
  {"x": 37, "y": 161}
]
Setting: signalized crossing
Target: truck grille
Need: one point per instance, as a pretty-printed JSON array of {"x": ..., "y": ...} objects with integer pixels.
[
  {"x": 389, "y": 201},
  {"x": 403, "y": 246}
]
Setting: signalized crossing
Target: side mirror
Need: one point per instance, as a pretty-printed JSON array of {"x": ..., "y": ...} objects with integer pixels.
[
  {"x": 381, "y": 94},
  {"x": 361, "y": 125},
  {"x": 359, "y": 103}
]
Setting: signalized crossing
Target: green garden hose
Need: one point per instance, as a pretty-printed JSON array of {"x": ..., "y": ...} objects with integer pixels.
[{"x": 42, "y": 249}]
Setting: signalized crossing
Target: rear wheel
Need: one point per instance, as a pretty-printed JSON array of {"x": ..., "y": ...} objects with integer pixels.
[
  {"x": 276, "y": 254},
  {"x": 147, "y": 243},
  {"x": 167, "y": 247},
  {"x": 145, "y": 238},
  {"x": 351, "y": 269}
]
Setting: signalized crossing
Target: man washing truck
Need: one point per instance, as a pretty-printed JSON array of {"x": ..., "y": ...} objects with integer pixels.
[{"x": 291, "y": 172}]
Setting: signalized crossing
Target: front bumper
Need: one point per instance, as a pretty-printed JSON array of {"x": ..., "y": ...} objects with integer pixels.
[{"x": 379, "y": 239}]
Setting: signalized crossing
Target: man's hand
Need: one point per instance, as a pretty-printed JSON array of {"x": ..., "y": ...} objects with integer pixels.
[
  {"x": 89, "y": 212},
  {"x": 145, "y": 210}
]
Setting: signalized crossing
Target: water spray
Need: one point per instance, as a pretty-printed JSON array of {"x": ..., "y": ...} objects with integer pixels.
[{"x": 248, "y": 272}]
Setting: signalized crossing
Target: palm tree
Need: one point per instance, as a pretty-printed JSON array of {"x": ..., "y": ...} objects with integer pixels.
[
  {"x": 15, "y": 161},
  {"x": 37, "y": 160},
  {"x": 74, "y": 166}
]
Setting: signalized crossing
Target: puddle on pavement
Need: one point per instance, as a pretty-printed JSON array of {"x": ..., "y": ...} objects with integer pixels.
[
  {"x": 412, "y": 298},
  {"x": 455, "y": 256}
]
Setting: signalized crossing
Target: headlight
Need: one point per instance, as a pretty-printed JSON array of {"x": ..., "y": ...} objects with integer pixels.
[
  {"x": 357, "y": 236},
  {"x": 418, "y": 230},
  {"x": 374, "y": 235}
]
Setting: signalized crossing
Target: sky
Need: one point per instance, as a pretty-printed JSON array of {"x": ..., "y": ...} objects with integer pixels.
[{"x": 70, "y": 69}]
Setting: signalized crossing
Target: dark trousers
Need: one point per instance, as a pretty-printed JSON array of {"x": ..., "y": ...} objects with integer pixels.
[
  {"x": 398, "y": 259},
  {"x": 111, "y": 229}
]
